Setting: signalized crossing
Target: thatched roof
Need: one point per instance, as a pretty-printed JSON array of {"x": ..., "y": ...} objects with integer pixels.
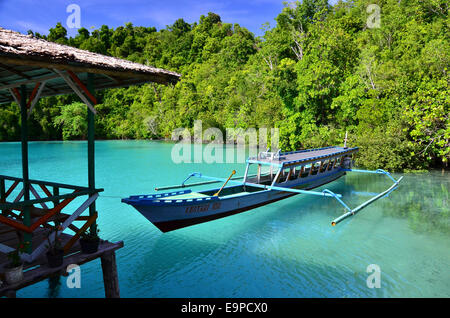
[{"x": 26, "y": 59}]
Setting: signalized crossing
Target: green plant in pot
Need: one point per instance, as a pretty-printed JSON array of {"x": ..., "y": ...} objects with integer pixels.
[
  {"x": 89, "y": 241},
  {"x": 55, "y": 253},
  {"x": 14, "y": 270}
]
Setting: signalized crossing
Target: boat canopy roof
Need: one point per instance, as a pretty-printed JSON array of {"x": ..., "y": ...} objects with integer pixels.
[{"x": 300, "y": 157}]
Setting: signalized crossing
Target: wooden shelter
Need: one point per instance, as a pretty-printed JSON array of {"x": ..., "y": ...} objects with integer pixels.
[{"x": 31, "y": 68}]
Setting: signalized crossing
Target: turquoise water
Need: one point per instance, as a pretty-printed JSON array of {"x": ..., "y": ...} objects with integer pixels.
[{"x": 286, "y": 249}]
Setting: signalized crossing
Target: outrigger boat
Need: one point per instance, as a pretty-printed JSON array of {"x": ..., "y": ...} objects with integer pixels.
[{"x": 289, "y": 173}]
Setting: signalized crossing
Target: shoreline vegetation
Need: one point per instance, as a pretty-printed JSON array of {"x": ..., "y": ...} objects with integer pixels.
[
  {"x": 443, "y": 169},
  {"x": 320, "y": 71}
]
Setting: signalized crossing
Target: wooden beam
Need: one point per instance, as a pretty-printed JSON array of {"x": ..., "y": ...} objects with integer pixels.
[
  {"x": 36, "y": 98},
  {"x": 15, "y": 95},
  {"x": 2, "y": 189},
  {"x": 28, "y": 229},
  {"x": 33, "y": 94},
  {"x": 25, "y": 172},
  {"x": 91, "y": 150},
  {"x": 46, "y": 191},
  {"x": 13, "y": 70},
  {"x": 11, "y": 189},
  {"x": 161, "y": 78},
  {"x": 110, "y": 276},
  {"x": 3, "y": 194},
  {"x": 112, "y": 78},
  {"x": 37, "y": 196},
  {"x": 77, "y": 235},
  {"x": 81, "y": 85},
  {"x": 76, "y": 90},
  {"x": 40, "y": 273},
  {"x": 31, "y": 81}
]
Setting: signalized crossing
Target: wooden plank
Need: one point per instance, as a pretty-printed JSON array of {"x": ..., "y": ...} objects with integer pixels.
[{"x": 91, "y": 146}]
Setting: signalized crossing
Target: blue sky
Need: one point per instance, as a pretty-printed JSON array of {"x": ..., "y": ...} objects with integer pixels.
[{"x": 40, "y": 15}]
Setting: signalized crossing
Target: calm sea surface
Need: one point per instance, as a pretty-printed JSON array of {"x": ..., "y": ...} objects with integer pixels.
[{"x": 286, "y": 249}]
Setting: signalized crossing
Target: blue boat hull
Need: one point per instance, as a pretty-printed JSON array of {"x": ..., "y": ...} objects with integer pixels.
[{"x": 172, "y": 214}]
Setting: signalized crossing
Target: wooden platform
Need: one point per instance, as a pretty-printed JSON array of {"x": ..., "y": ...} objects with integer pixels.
[{"x": 39, "y": 270}]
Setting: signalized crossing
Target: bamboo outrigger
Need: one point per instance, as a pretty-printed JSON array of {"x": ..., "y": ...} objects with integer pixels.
[{"x": 290, "y": 173}]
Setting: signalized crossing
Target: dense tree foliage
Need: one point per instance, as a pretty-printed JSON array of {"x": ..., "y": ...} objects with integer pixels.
[{"x": 321, "y": 71}]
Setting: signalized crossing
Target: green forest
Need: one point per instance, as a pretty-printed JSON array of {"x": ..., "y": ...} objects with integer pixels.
[{"x": 318, "y": 71}]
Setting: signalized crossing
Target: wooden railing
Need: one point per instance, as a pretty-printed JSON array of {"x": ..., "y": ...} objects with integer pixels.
[
  {"x": 13, "y": 211},
  {"x": 55, "y": 198}
]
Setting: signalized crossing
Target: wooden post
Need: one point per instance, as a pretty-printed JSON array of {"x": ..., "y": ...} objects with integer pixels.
[
  {"x": 55, "y": 193},
  {"x": 2, "y": 189},
  {"x": 25, "y": 174},
  {"x": 2, "y": 193},
  {"x": 110, "y": 277},
  {"x": 91, "y": 150}
]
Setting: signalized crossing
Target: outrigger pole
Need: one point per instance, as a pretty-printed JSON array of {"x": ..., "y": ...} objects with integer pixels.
[{"x": 363, "y": 205}]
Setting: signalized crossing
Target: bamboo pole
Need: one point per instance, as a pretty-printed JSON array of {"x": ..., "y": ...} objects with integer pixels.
[
  {"x": 232, "y": 173},
  {"x": 363, "y": 205}
]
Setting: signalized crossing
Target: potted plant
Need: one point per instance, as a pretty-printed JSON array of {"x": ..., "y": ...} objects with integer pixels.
[
  {"x": 55, "y": 253},
  {"x": 14, "y": 270},
  {"x": 89, "y": 241}
]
